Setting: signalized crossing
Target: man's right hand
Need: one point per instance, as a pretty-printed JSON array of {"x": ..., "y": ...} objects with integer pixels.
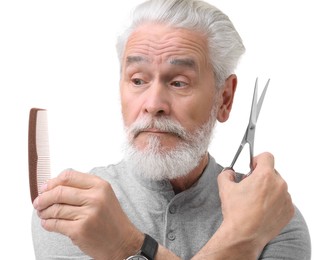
[{"x": 255, "y": 211}]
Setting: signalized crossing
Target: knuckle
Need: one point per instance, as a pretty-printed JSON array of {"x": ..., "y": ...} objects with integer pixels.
[
  {"x": 66, "y": 176},
  {"x": 56, "y": 224},
  {"x": 266, "y": 174},
  {"x": 101, "y": 194},
  {"x": 106, "y": 185},
  {"x": 268, "y": 156},
  {"x": 103, "y": 186},
  {"x": 284, "y": 185},
  {"x": 59, "y": 190},
  {"x": 57, "y": 208}
]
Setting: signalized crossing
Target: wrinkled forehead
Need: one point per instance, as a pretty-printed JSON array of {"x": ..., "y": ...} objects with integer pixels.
[
  {"x": 185, "y": 62},
  {"x": 156, "y": 43}
]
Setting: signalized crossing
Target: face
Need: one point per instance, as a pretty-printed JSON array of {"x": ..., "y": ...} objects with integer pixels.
[
  {"x": 166, "y": 73},
  {"x": 169, "y": 101}
]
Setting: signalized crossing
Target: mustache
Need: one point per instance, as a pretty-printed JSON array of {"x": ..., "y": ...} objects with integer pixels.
[{"x": 163, "y": 124}]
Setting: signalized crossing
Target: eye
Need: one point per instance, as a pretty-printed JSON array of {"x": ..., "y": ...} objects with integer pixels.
[
  {"x": 178, "y": 84},
  {"x": 138, "y": 82}
]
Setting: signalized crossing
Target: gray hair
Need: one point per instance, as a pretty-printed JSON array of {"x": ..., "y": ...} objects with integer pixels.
[{"x": 224, "y": 43}]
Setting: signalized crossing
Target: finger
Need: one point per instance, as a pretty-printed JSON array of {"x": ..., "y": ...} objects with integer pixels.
[
  {"x": 58, "y": 225},
  {"x": 264, "y": 162},
  {"x": 60, "y": 195},
  {"x": 60, "y": 211},
  {"x": 265, "y": 159},
  {"x": 226, "y": 176},
  {"x": 71, "y": 178}
]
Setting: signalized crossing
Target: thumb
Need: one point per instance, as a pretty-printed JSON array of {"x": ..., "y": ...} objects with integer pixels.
[
  {"x": 226, "y": 176},
  {"x": 226, "y": 181}
]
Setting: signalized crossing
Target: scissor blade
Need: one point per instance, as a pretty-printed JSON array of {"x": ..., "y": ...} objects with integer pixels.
[
  {"x": 254, "y": 114},
  {"x": 262, "y": 98}
]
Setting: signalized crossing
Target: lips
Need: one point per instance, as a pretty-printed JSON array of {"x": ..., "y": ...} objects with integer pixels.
[
  {"x": 157, "y": 126},
  {"x": 155, "y": 131}
]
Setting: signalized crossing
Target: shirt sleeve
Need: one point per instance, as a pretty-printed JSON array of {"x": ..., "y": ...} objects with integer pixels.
[
  {"x": 293, "y": 243},
  {"x": 51, "y": 245}
]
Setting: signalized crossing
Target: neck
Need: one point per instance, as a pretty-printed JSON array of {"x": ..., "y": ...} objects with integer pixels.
[{"x": 183, "y": 183}]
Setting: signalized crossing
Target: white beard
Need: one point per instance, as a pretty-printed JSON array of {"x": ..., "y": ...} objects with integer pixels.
[{"x": 156, "y": 163}]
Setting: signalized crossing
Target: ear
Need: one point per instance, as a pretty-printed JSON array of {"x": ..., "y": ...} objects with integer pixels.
[{"x": 226, "y": 98}]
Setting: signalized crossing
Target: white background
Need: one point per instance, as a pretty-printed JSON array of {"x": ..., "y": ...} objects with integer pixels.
[{"x": 60, "y": 55}]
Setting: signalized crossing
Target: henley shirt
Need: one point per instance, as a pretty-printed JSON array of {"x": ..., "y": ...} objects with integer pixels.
[{"x": 182, "y": 222}]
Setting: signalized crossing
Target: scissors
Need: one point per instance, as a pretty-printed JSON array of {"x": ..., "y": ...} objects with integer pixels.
[{"x": 248, "y": 137}]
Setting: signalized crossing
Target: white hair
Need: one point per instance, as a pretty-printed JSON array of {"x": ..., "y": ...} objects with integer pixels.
[
  {"x": 224, "y": 43},
  {"x": 155, "y": 163}
]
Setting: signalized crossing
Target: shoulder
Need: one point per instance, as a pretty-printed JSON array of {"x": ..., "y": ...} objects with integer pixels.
[{"x": 109, "y": 172}]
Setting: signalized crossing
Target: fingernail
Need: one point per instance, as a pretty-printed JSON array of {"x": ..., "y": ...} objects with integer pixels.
[
  {"x": 233, "y": 175},
  {"x": 43, "y": 222},
  {"x": 36, "y": 203}
]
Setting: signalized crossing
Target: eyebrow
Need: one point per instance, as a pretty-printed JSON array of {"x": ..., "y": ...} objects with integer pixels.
[
  {"x": 136, "y": 59},
  {"x": 184, "y": 62},
  {"x": 181, "y": 62}
]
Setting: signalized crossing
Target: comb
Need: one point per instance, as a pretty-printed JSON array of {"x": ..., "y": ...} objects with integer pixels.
[{"x": 38, "y": 151}]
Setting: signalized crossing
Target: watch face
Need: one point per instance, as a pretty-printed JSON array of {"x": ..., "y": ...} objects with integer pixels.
[{"x": 137, "y": 257}]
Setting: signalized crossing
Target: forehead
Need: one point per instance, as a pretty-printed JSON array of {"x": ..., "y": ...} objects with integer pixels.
[{"x": 157, "y": 43}]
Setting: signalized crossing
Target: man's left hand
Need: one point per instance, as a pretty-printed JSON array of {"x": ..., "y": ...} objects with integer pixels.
[{"x": 85, "y": 208}]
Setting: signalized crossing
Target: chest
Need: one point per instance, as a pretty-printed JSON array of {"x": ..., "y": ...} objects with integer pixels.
[{"x": 182, "y": 223}]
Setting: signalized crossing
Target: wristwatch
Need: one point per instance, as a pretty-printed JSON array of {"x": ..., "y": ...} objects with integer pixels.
[{"x": 148, "y": 250}]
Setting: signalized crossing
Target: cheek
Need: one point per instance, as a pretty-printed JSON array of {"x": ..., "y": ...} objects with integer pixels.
[
  {"x": 129, "y": 108},
  {"x": 191, "y": 115},
  {"x": 200, "y": 110}
]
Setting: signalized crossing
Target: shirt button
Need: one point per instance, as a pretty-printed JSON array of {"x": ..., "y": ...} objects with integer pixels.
[
  {"x": 172, "y": 209},
  {"x": 162, "y": 184},
  {"x": 171, "y": 236}
]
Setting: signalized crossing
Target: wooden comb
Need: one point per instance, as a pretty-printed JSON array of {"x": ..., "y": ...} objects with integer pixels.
[{"x": 38, "y": 150}]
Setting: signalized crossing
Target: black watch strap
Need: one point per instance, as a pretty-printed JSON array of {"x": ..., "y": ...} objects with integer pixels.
[{"x": 149, "y": 248}]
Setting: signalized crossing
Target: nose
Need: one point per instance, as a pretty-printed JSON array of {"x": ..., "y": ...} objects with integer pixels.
[{"x": 157, "y": 100}]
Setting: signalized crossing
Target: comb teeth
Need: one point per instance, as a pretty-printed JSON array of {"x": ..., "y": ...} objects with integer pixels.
[{"x": 38, "y": 151}]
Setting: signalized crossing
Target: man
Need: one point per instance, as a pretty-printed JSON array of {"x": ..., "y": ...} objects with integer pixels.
[{"x": 168, "y": 198}]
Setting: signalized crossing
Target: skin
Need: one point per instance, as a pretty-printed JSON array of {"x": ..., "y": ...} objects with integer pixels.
[{"x": 166, "y": 72}]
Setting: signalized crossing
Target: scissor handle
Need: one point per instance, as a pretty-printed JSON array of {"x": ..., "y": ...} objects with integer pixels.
[
  {"x": 248, "y": 137},
  {"x": 231, "y": 167}
]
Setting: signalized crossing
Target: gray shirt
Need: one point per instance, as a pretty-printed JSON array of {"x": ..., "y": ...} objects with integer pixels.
[{"x": 182, "y": 223}]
